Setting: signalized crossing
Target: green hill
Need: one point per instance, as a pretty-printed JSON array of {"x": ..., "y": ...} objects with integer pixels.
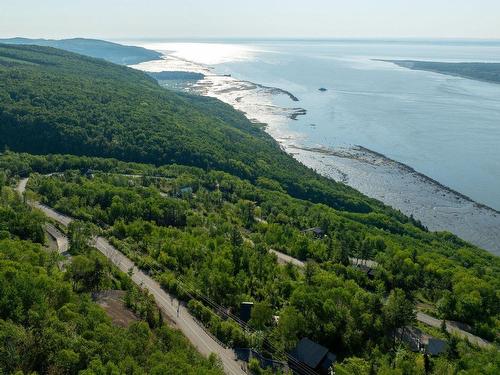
[
  {"x": 52, "y": 101},
  {"x": 113, "y": 52},
  {"x": 207, "y": 237}
]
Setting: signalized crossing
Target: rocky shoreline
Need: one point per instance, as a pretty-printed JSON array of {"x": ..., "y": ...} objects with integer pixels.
[
  {"x": 437, "y": 206},
  {"x": 405, "y": 167}
]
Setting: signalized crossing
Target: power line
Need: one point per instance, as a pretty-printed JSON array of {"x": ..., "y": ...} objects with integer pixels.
[
  {"x": 190, "y": 289},
  {"x": 302, "y": 367},
  {"x": 231, "y": 316}
]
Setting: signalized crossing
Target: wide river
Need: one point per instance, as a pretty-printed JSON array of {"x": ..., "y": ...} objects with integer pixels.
[{"x": 446, "y": 128}]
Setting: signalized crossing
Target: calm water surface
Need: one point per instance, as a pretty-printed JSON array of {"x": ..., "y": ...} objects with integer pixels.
[{"x": 445, "y": 127}]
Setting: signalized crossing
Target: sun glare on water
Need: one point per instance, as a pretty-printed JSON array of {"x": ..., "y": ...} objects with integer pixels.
[{"x": 205, "y": 53}]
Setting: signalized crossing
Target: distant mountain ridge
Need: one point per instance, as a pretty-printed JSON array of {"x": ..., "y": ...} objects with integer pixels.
[{"x": 112, "y": 52}]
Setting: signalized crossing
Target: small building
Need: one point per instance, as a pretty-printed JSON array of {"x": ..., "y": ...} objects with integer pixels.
[
  {"x": 313, "y": 356},
  {"x": 370, "y": 272},
  {"x": 418, "y": 341},
  {"x": 434, "y": 346},
  {"x": 317, "y": 231},
  {"x": 246, "y": 311},
  {"x": 186, "y": 190},
  {"x": 89, "y": 174}
]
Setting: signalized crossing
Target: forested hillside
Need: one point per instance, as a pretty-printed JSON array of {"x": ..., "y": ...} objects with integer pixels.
[
  {"x": 57, "y": 102},
  {"x": 199, "y": 198},
  {"x": 50, "y": 325},
  {"x": 207, "y": 236}
]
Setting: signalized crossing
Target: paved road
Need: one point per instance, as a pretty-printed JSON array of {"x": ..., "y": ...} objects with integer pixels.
[
  {"x": 203, "y": 342},
  {"x": 185, "y": 322},
  {"x": 284, "y": 259},
  {"x": 63, "y": 219},
  {"x": 433, "y": 322},
  {"x": 60, "y": 218},
  {"x": 421, "y": 317}
]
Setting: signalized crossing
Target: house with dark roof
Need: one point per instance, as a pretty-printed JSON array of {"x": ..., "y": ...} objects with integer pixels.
[
  {"x": 317, "y": 231},
  {"x": 418, "y": 341},
  {"x": 370, "y": 272},
  {"x": 186, "y": 190},
  {"x": 246, "y": 311},
  {"x": 312, "y": 356},
  {"x": 89, "y": 174}
]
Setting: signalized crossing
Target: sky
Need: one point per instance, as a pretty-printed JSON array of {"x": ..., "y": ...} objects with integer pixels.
[{"x": 125, "y": 19}]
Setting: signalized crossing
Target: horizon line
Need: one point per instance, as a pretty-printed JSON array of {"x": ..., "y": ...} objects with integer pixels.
[{"x": 270, "y": 38}]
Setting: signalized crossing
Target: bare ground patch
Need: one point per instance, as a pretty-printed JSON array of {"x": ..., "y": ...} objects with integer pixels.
[{"x": 112, "y": 302}]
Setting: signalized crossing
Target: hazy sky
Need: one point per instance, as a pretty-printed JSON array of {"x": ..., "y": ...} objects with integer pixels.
[{"x": 255, "y": 18}]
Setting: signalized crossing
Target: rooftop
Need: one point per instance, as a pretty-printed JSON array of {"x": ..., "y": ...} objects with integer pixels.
[{"x": 310, "y": 353}]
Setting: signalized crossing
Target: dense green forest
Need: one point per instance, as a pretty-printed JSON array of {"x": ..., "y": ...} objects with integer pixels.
[
  {"x": 113, "y": 52},
  {"x": 53, "y": 101},
  {"x": 50, "y": 325},
  {"x": 197, "y": 196},
  {"x": 207, "y": 236},
  {"x": 489, "y": 72}
]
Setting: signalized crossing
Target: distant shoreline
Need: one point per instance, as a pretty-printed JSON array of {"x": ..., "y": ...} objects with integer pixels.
[
  {"x": 478, "y": 71},
  {"x": 101, "y": 49}
]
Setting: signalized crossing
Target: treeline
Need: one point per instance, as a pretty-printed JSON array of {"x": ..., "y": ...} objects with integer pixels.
[{"x": 50, "y": 325}]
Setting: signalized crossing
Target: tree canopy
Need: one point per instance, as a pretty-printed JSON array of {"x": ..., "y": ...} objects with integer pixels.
[
  {"x": 50, "y": 325},
  {"x": 207, "y": 236}
]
